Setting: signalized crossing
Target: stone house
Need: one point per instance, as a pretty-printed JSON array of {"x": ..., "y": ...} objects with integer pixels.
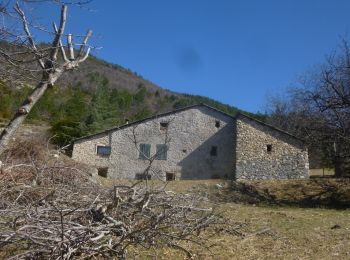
[{"x": 195, "y": 142}]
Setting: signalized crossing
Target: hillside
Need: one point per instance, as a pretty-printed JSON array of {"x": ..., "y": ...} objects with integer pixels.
[
  {"x": 118, "y": 77},
  {"x": 97, "y": 96}
]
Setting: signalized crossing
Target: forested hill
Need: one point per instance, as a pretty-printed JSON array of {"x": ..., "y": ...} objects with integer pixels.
[{"x": 97, "y": 96}]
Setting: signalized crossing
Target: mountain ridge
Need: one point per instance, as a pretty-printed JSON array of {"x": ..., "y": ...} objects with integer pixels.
[{"x": 99, "y": 95}]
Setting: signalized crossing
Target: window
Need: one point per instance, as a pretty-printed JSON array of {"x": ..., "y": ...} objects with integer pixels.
[
  {"x": 103, "y": 172},
  {"x": 170, "y": 176},
  {"x": 103, "y": 150},
  {"x": 164, "y": 125},
  {"x": 269, "y": 148},
  {"x": 217, "y": 123},
  {"x": 161, "y": 153},
  {"x": 145, "y": 151},
  {"x": 214, "y": 151}
]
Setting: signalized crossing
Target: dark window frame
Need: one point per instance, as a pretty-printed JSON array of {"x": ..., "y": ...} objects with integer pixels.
[
  {"x": 269, "y": 148},
  {"x": 170, "y": 176},
  {"x": 214, "y": 151},
  {"x": 163, "y": 125},
  {"x": 161, "y": 152},
  {"x": 103, "y": 150},
  {"x": 102, "y": 172},
  {"x": 145, "y": 151}
]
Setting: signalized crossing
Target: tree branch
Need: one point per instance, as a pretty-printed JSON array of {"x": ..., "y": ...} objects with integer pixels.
[
  {"x": 29, "y": 35},
  {"x": 56, "y": 42}
]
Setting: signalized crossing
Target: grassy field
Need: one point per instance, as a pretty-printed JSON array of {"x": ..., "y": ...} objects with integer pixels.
[
  {"x": 287, "y": 233},
  {"x": 271, "y": 232},
  {"x": 275, "y": 233},
  {"x": 291, "y": 219}
]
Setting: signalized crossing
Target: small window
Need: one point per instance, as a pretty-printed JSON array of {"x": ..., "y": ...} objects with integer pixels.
[
  {"x": 214, "y": 151},
  {"x": 145, "y": 151},
  {"x": 161, "y": 153},
  {"x": 142, "y": 176},
  {"x": 103, "y": 172},
  {"x": 164, "y": 125},
  {"x": 217, "y": 123},
  {"x": 269, "y": 148},
  {"x": 170, "y": 176},
  {"x": 103, "y": 150}
]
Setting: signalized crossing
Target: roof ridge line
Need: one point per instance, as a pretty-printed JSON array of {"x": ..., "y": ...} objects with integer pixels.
[
  {"x": 153, "y": 117},
  {"x": 268, "y": 125}
]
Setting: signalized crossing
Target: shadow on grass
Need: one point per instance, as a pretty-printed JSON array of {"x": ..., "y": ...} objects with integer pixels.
[{"x": 313, "y": 193}]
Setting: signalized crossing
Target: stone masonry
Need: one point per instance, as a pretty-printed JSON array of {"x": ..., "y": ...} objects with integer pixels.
[
  {"x": 191, "y": 133},
  {"x": 202, "y": 143},
  {"x": 262, "y": 152}
]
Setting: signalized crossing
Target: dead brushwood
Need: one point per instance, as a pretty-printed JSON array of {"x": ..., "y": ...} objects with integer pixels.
[{"x": 51, "y": 209}]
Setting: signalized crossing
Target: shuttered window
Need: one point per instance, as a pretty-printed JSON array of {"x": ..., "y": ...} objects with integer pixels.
[
  {"x": 161, "y": 153},
  {"x": 145, "y": 151}
]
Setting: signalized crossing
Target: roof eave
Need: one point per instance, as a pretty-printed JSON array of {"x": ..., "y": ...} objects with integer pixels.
[
  {"x": 270, "y": 126},
  {"x": 149, "y": 118}
]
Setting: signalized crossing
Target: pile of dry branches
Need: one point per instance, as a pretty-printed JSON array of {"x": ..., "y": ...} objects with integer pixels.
[{"x": 49, "y": 208}]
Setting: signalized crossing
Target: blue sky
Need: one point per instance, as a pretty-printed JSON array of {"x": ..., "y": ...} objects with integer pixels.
[{"x": 237, "y": 52}]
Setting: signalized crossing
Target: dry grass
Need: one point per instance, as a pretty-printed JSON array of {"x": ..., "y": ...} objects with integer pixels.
[
  {"x": 289, "y": 233},
  {"x": 327, "y": 192},
  {"x": 50, "y": 209},
  {"x": 275, "y": 233},
  {"x": 318, "y": 192},
  {"x": 272, "y": 232},
  {"x": 176, "y": 186}
]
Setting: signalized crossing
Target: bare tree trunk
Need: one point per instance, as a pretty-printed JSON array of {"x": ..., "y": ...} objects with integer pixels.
[
  {"x": 338, "y": 169},
  {"x": 23, "y": 111},
  {"x": 51, "y": 70}
]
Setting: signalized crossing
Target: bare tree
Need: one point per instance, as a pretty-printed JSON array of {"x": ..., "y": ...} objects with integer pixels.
[
  {"x": 319, "y": 109},
  {"x": 50, "y": 208},
  {"x": 24, "y": 51},
  {"x": 65, "y": 215},
  {"x": 150, "y": 171}
]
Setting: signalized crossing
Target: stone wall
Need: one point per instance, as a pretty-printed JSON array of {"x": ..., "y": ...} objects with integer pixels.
[
  {"x": 265, "y": 153},
  {"x": 246, "y": 149},
  {"x": 85, "y": 150},
  {"x": 192, "y": 134}
]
